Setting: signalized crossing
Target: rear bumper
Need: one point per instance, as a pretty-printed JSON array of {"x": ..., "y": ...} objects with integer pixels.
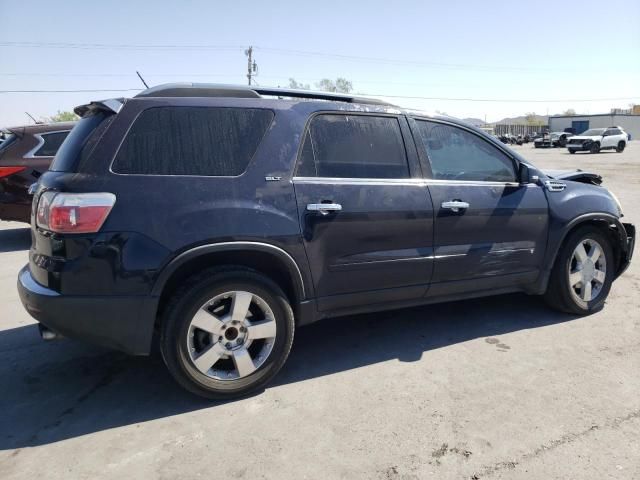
[
  {"x": 121, "y": 322},
  {"x": 16, "y": 212}
]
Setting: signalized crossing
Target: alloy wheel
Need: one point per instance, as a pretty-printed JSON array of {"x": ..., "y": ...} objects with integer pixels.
[
  {"x": 231, "y": 335},
  {"x": 587, "y": 270}
]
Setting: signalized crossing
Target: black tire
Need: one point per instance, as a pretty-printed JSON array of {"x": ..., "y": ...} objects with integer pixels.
[
  {"x": 559, "y": 292},
  {"x": 620, "y": 147},
  {"x": 185, "y": 303},
  {"x": 594, "y": 148},
  {"x": 562, "y": 142},
  {"x": 572, "y": 151}
]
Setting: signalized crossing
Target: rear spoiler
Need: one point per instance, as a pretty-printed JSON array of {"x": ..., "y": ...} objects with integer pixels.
[{"x": 112, "y": 105}]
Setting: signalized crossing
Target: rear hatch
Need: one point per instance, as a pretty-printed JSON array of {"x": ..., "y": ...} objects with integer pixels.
[{"x": 63, "y": 213}]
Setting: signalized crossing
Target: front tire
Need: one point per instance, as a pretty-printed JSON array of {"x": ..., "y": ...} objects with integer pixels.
[
  {"x": 582, "y": 274},
  {"x": 620, "y": 147},
  {"x": 226, "y": 333},
  {"x": 572, "y": 151}
]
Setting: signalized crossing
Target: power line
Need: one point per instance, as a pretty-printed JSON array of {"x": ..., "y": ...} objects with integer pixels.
[
  {"x": 409, "y": 97},
  {"x": 284, "y": 51},
  {"x": 117, "y": 46},
  {"x": 504, "y": 100},
  {"x": 75, "y": 91}
]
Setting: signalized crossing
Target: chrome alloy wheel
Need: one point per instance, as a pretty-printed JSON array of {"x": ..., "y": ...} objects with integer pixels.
[
  {"x": 231, "y": 335},
  {"x": 587, "y": 270}
]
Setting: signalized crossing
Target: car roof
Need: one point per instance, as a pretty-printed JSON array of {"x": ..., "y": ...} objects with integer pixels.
[
  {"x": 41, "y": 128},
  {"x": 242, "y": 91}
]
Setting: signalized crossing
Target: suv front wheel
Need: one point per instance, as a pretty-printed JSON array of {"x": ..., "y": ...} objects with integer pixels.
[
  {"x": 582, "y": 275},
  {"x": 226, "y": 333}
]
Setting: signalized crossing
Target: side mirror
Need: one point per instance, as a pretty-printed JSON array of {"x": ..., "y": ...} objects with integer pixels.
[{"x": 524, "y": 175}]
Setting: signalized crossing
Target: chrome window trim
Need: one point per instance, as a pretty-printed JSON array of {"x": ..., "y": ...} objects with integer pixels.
[
  {"x": 40, "y": 137},
  {"x": 405, "y": 181}
]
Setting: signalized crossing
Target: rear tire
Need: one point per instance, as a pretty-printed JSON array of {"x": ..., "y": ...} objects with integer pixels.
[
  {"x": 236, "y": 320},
  {"x": 595, "y": 148},
  {"x": 567, "y": 290},
  {"x": 620, "y": 146},
  {"x": 562, "y": 142}
]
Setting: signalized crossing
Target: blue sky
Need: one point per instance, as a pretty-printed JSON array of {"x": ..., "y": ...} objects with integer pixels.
[{"x": 502, "y": 50}]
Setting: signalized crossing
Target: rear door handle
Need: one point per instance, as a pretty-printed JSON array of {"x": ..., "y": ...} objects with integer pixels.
[
  {"x": 324, "y": 208},
  {"x": 455, "y": 205}
]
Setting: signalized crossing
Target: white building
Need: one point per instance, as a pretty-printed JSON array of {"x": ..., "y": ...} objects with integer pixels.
[{"x": 630, "y": 123}]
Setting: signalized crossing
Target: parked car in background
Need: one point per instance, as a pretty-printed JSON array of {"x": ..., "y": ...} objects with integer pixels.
[
  {"x": 596, "y": 139},
  {"x": 25, "y": 153},
  {"x": 224, "y": 218},
  {"x": 553, "y": 139}
]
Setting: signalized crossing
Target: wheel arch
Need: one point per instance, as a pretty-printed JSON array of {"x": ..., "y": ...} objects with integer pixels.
[
  {"x": 607, "y": 223},
  {"x": 264, "y": 258}
]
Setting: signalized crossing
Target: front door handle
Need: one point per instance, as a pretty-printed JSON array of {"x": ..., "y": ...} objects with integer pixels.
[
  {"x": 455, "y": 205},
  {"x": 324, "y": 208}
]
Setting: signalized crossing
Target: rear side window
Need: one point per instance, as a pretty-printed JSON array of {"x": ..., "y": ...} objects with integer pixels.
[
  {"x": 353, "y": 146},
  {"x": 202, "y": 141},
  {"x": 50, "y": 143},
  {"x": 457, "y": 154},
  {"x": 67, "y": 157}
]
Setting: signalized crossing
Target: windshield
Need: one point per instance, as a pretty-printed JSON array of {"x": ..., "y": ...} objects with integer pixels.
[{"x": 593, "y": 131}]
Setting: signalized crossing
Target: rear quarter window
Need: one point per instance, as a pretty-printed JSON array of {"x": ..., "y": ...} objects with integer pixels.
[
  {"x": 51, "y": 143},
  {"x": 203, "y": 141}
]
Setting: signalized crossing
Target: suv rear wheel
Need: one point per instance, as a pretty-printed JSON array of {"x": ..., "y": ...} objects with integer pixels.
[
  {"x": 595, "y": 147},
  {"x": 226, "y": 333},
  {"x": 582, "y": 275},
  {"x": 620, "y": 147}
]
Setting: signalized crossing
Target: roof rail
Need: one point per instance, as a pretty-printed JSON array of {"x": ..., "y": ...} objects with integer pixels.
[
  {"x": 241, "y": 91},
  {"x": 310, "y": 94}
]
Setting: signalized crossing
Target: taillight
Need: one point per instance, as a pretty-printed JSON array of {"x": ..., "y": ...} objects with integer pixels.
[
  {"x": 6, "y": 171},
  {"x": 73, "y": 212}
]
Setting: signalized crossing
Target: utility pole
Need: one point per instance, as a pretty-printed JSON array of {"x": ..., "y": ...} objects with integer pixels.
[{"x": 252, "y": 68}]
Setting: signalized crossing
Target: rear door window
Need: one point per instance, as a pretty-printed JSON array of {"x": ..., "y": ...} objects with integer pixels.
[
  {"x": 51, "y": 142},
  {"x": 457, "y": 154},
  {"x": 204, "y": 141},
  {"x": 353, "y": 146}
]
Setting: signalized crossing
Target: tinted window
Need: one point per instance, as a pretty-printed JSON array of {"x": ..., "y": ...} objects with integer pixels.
[
  {"x": 456, "y": 154},
  {"x": 353, "y": 146},
  {"x": 192, "y": 141},
  {"x": 613, "y": 131},
  {"x": 52, "y": 142},
  {"x": 66, "y": 158}
]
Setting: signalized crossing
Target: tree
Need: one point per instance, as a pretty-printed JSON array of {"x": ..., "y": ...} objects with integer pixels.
[
  {"x": 570, "y": 111},
  {"x": 64, "y": 117},
  {"x": 340, "y": 85},
  {"x": 298, "y": 85},
  {"x": 532, "y": 119}
]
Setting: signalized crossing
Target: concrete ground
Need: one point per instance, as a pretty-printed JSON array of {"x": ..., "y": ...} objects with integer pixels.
[{"x": 490, "y": 388}]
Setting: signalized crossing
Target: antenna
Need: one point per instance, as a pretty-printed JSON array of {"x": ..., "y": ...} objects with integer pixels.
[
  {"x": 142, "y": 79},
  {"x": 32, "y": 118}
]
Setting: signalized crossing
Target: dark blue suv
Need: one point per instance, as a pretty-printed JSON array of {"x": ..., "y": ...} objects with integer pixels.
[{"x": 222, "y": 218}]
